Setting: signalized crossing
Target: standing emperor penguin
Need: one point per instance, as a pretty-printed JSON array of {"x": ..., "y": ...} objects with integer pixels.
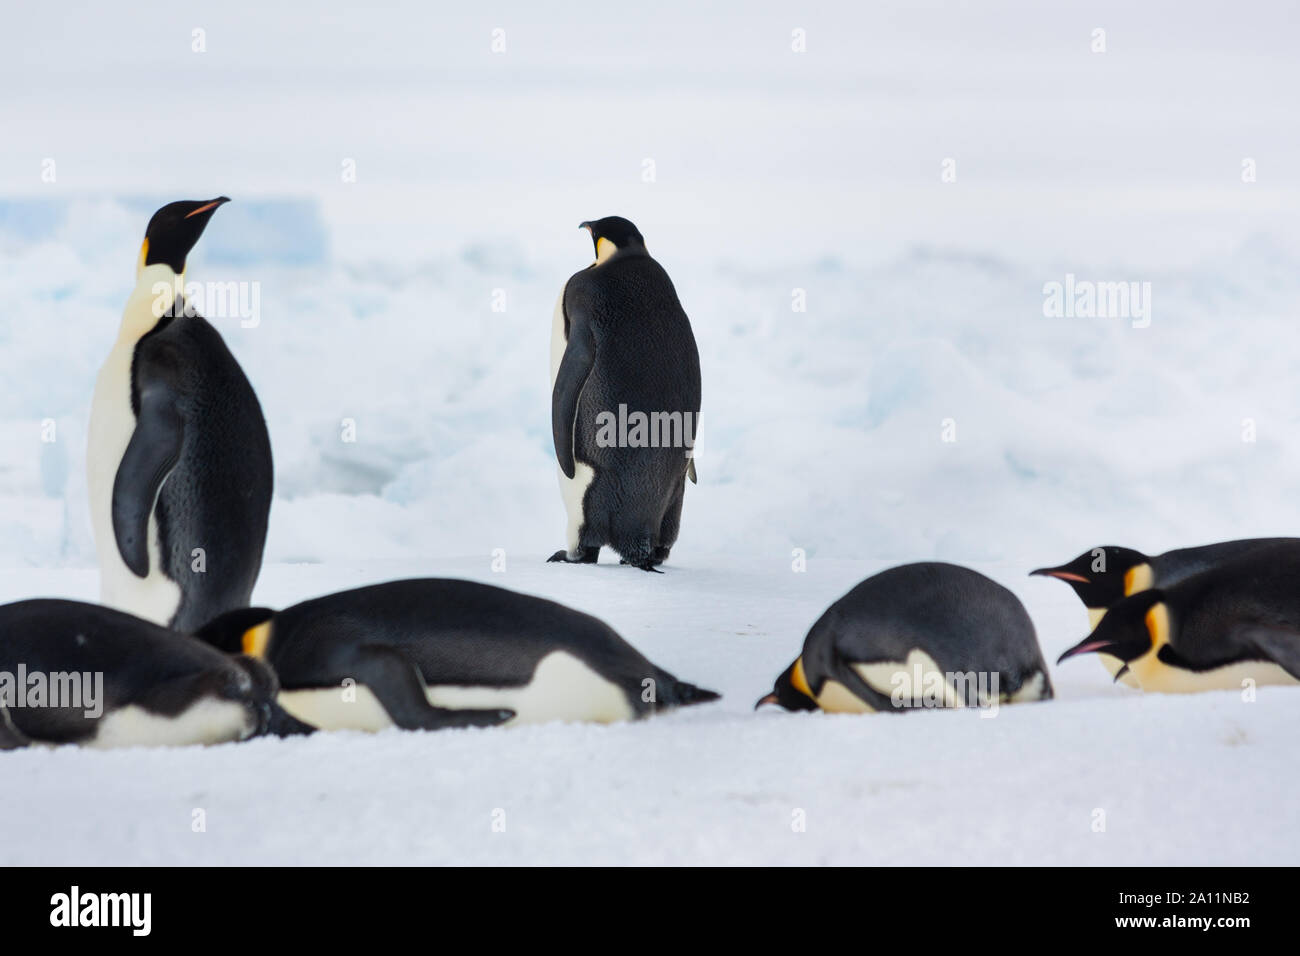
[
  {"x": 179, "y": 460},
  {"x": 625, "y": 400}
]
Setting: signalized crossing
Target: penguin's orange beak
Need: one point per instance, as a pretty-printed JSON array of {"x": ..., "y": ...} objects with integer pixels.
[
  {"x": 208, "y": 207},
  {"x": 1060, "y": 575},
  {"x": 1086, "y": 646}
]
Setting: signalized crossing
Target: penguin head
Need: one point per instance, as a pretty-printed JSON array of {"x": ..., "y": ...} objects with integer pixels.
[
  {"x": 790, "y": 690},
  {"x": 173, "y": 231},
  {"x": 262, "y": 688},
  {"x": 243, "y": 631},
  {"x": 265, "y": 688},
  {"x": 612, "y": 234},
  {"x": 1101, "y": 576},
  {"x": 1130, "y": 630}
]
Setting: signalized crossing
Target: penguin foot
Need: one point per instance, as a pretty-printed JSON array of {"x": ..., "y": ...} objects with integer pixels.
[
  {"x": 585, "y": 556},
  {"x": 651, "y": 565}
]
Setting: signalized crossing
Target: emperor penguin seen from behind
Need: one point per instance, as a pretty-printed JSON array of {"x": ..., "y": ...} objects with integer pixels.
[
  {"x": 179, "y": 460},
  {"x": 625, "y": 400}
]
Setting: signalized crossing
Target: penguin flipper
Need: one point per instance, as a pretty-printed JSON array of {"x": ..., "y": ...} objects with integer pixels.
[
  {"x": 399, "y": 687},
  {"x": 151, "y": 455},
  {"x": 1278, "y": 644},
  {"x": 859, "y": 688},
  {"x": 575, "y": 367}
]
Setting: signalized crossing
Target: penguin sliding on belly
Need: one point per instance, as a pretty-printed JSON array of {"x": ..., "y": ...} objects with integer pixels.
[
  {"x": 1238, "y": 621},
  {"x": 625, "y": 402},
  {"x": 919, "y": 635},
  {"x": 179, "y": 460},
  {"x": 74, "y": 673},
  {"x": 1103, "y": 576},
  {"x": 433, "y": 653}
]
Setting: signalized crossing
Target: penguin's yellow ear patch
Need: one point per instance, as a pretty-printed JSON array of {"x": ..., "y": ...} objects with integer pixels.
[
  {"x": 799, "y": 680},
  {"x": 1138, "y": 578},
  {"x": 144, "y": 255},
  {"x": 604, "y": 249},
  {"x": 255, "y": 638},
  {"x": 1158, "y": 624}
]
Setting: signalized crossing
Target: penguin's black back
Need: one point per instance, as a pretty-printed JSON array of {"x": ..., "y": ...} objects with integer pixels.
[
  {"x": 646, "y": 359},
  {"x": 1178, "y": 565},
  {"x": 456, "y": 632},
  {"x": 142, "y": 663},
  {"x": 218, "y": 497},
  {"x": 963, "y": 620},
  {"x": 1223, "y": 615}
]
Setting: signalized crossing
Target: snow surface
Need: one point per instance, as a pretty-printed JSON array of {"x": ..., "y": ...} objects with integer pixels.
[
  {"x": 821, "y": 430},
  {"x": 1181, "y": 780}
]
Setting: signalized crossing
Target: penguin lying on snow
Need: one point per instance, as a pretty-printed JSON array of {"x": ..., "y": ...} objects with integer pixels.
[
  {"x": 1237, "y": 621},
  {"x": 625, "y": 402},
  {"x": 179, "y": 457},
  {"x": 430, "y": 653},
  {"x": 927, "y": 634},
  {"x": 1102, "y": 577},
  {"x": 154, "y": 687}
]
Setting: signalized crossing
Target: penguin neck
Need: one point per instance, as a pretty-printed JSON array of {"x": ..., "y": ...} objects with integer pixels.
[
  {"x": 1147, "y": 667},
  {"x": 155, "y": 291},
  {"x": 607, "y": 251}
]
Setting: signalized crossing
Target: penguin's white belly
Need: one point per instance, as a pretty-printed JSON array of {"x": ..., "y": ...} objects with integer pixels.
[
  {"x": 558, "y": 341},
  {"x": 887, "y": 677},
  {"x": 337, "y": 708},
  {"x": 572, "y": 490},
  {"x": 112, "y": 423},
  {"x": 562, "y": 688},
  {"x": 1161, "y": 678},
  {"x": 835, "y": 698},
  {"x": 919, "y": 681},
  {"x": 916, "y": 678},
  {"x": 206, "y": 721}
]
